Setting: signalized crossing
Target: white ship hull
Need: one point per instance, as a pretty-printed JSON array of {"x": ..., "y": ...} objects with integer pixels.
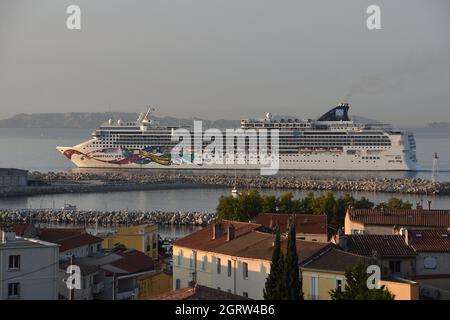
[{"x": 303, "y": 161}]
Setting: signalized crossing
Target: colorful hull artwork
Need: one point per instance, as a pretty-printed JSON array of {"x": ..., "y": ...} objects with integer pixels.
[{"x": 143, "y": 157}]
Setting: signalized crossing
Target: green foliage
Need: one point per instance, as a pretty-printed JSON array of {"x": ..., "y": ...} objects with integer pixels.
[
  {"x": 249, "y": 204},
  {"x": 356, "y": 287},
  {"x": 292, "y": 272},
  {"x": 119, "y": 246},
  {"x": 272, "y": 288},
  {"x": 269, "y": 204},
  {"x": 394, "y": 203},
  {"x": 283, "y": 282}
]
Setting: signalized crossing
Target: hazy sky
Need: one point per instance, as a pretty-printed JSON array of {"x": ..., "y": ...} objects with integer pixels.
[{"x": 227, "y": 58}]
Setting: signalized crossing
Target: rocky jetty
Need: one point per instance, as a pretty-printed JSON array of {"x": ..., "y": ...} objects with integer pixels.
[
  {"x": 105, "y": 218},
  {"x": 138, "y": 179}
]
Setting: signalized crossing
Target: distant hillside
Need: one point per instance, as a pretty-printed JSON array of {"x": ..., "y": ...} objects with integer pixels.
[
  {"x": 444, "y": 125},
  {"x": 93, "y": 120}
]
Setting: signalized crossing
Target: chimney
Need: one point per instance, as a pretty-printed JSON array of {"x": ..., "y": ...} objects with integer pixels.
[
  {"x": 230, "y": 235},
  {"x": 217, "y": 230},
  {"x": 405, "y": 234},
  {"x": 7, "y": 235},
  {"x": 342, "y": 240},
  {"x": 396, "y": 230}
]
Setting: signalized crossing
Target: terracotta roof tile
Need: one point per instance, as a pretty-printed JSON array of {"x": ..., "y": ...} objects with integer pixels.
[
  {"x": 203, "y": 239},
  {"x": 68, "y": 238},
  {"x": 19, "y": 228},
  {"x": 259, "y": 245},
  {"x": 379, "y": 245},
  {"x": 401, "y": 217},
  {"x": 54, "y": 234},
  {"x": 198, "y": 293},
  {"x": 430, "y": 240},
  {"x": 334, "y": 259},
  {"x": 304, "y": 223},
  {"x": 133, "y": 261}
]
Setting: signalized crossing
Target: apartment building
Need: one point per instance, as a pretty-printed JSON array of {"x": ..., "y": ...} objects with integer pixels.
[
  {"x": 394, "y": 256},
  {"x": 28, "y": 268},
  {"x": 143, "y": 238},
  {"x": 385, "y": 221},
  {"x": 230, "y": 256},
  {"x": 432, "y": 261},
  {"x": 309, "y": 227},
  {"x": 73, "y": 242}
]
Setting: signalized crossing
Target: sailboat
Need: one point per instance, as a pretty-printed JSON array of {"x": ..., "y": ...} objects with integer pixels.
[{"x": 234, "y": 191}]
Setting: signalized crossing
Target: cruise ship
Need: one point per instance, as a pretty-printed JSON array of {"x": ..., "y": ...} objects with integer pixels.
[{"x": 331, "y": 142}]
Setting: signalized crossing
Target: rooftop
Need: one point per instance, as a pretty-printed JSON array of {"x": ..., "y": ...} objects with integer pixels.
[
  {"x": 304, "y": 223},
  {"x": 333, "y": 259},
  {"x": 12, "y": 171},
  {"x": 429, "y": 240},
  {"x": 84, "y": 268},
  {"x": 19, "y": 228},
  {"x": 379, "y": 245},
  {"x": 133, "y": 261},
  {"x": 259, "y": 245},
  {"x": 402, "y": 217},
  {"x": 68, "y": 238},
  {"x": 198, "y": 293},
  {"x": 203, "y": 239}
]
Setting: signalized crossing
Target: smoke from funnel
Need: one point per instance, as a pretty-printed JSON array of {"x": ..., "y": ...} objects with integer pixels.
[{"x": 374, "y": 85}]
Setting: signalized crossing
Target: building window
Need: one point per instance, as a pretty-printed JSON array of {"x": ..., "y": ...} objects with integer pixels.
[
  {"x": 229, "y": 268},
  {"x": 430, "y": 263},
  {"x": 14, "y": 262},
  {"x": 180, "y": 255},
  {"x": 245, "y": 270},
  {"x": 204, "y": 262},
  {"x": 245, "y": 294},
  {"x": 219, "y": 266},
  {"x": 395, "y": 266},
  {"x": 339, "y": 285},
  {"x": 191, "y": 261},
  {"x": 177, "y": 284},
  {"x": 13, "y": 290}
]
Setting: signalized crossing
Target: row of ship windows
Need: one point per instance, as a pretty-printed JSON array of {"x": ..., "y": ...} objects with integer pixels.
[
  {"x": 282, "y": 138},
  {"x": 135, "y": 143}
]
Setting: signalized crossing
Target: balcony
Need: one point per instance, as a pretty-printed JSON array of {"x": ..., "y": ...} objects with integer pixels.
[
  {"x": 312, "y": 297},
  {"x": 127, "y": 295},
  {"x": 98, "y": 287}
]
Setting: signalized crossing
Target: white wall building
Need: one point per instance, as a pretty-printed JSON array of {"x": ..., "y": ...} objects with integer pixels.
[
  {"x": 232, "y": 256},
  {"x": 28, "y": 268}
]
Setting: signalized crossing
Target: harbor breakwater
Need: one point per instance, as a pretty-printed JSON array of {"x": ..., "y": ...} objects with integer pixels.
[
  {"x": 105, "y": 218},
  {"x": 76, "y": 182}
]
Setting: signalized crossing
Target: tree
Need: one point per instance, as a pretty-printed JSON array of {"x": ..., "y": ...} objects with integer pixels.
[
  {"x": 292, "y": 272},
  {"x": 356, "y": 287},
  {"x": 227, "y": 208},
  {"x": 286, "y": 203},
  {"x": 269, "y": 204},
  {"x": 363, "y": 203},
  {"x": 272, "y": 288},
  {"x": 249, "y": 205},
  {"x": 395, "y": 203},
  {"x": 119, "y": 246}
]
